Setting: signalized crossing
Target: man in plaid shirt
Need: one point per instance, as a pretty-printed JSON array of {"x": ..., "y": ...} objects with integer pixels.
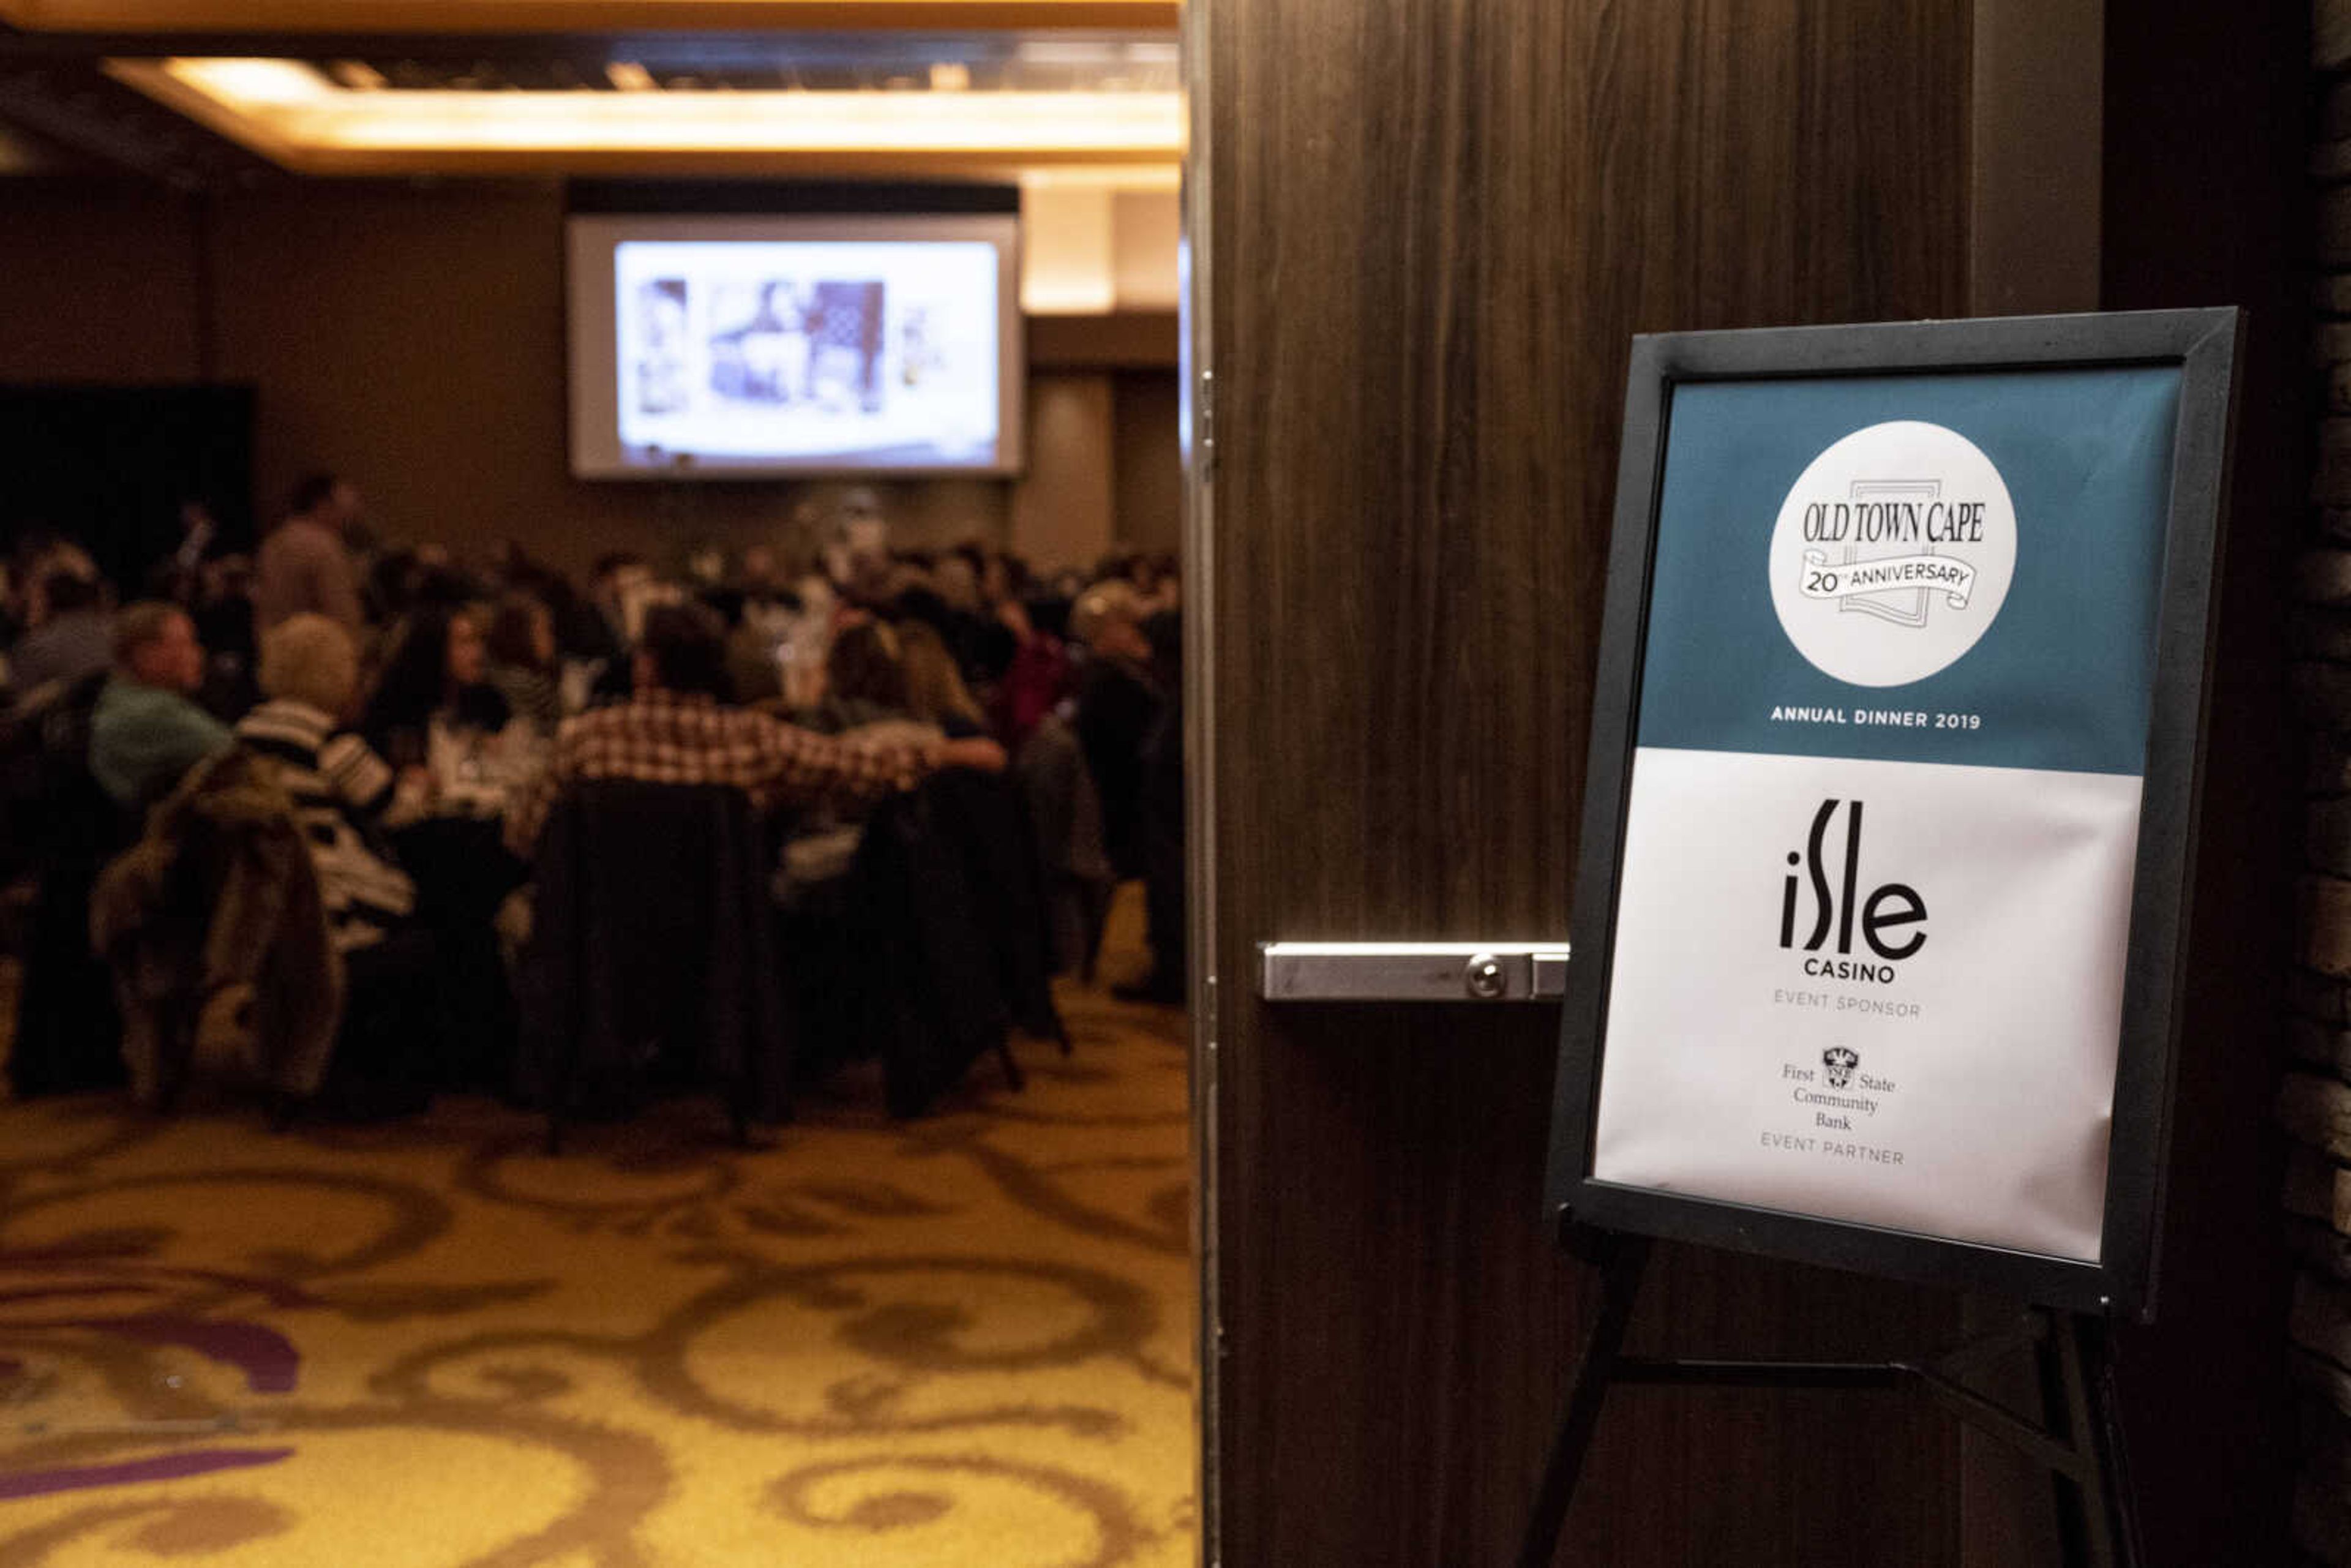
[{"x": 675, "y": 731}]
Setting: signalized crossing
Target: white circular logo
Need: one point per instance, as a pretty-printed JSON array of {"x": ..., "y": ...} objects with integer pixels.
[{"x": 1893, "y": 553}]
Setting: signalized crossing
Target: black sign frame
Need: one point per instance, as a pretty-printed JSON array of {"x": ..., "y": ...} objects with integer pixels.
[{"x": 2204, "y": 345}]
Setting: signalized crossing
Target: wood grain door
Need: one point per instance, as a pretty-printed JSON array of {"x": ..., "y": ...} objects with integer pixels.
[{"x": 1423, "y": 233}]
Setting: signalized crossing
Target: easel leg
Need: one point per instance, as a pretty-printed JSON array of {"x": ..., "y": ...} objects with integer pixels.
[
  {"x": 1623, "y": 1259},
  {"x": 2097, "y": 1518}
]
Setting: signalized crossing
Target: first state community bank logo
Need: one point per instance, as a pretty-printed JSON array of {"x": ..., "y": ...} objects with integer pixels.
[{"x": 1893, "y": 553}]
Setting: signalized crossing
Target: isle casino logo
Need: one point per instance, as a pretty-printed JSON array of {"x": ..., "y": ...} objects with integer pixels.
[{"x": 1880, "y": 918}]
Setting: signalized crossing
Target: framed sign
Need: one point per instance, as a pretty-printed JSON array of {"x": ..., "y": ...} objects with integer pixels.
[{"x": 1891, "y": 800}]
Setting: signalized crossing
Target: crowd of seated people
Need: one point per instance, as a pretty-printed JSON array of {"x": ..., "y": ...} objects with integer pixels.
[{"x": 421, "y": 715}]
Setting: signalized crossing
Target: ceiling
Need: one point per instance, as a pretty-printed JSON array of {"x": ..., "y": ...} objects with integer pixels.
[
  {"x": 484, "y": 16},
  {"x": 1059, "y": 91}
]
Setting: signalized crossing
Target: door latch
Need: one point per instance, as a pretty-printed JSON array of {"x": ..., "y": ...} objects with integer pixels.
[{"x": 1411, "y": 971}]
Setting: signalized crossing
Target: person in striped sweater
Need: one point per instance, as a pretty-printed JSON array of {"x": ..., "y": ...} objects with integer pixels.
[{"x": 340, "y": 788}]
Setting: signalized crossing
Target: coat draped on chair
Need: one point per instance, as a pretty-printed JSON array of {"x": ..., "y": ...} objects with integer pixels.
[{"x": 651, "y": 953}]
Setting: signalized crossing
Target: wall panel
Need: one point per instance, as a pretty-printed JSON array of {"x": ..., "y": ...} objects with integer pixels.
[{"x": 1435, "y": 223}]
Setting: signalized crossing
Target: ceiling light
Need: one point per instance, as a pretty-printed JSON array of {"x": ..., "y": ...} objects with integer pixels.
[
  {"x": 1068, "y": 52},
  {"x": 628, "y": 76},
  {"x": 358, "y": 76},
  {"x": 1106, "y": 177},
  {"x": 445, "y": 17},
  {"x": 297, "y": 116}
]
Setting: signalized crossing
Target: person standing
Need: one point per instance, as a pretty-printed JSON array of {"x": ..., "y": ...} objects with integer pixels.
[{"x": 305, "y": 566}]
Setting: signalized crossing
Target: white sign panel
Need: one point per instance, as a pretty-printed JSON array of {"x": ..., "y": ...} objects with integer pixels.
[{"x": 1875, "y": 879}]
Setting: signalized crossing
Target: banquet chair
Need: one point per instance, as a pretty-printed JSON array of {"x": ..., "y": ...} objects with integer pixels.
[{"x": 651, "y": 961}]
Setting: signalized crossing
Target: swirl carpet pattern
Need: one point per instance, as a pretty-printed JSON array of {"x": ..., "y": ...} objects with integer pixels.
[{"x": 956, "y": 1342}]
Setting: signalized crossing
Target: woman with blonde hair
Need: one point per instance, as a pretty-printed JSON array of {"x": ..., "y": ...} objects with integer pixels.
[
  {"x": 864, "y": 679},
  {"x": 340, "y": 788},
  {"x": 935, "y": 688},
  {"x": 395, "y": 1011},
  {"x": 935, "y": 694},
  {"x": 868, "y": 692}
]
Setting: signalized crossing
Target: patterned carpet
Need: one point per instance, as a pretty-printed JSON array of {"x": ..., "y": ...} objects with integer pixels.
[{"x": 964, "y": 1341}]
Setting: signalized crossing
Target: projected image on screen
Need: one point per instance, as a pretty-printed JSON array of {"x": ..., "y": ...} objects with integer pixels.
[{"x": 741, "y": 351}]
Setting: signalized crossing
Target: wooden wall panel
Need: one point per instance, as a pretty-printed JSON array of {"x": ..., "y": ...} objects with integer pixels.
[{"x": 1436, "y": 224}]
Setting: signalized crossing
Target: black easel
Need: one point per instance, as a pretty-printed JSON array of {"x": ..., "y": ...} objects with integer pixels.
[{"x": 2080, "y": 1438}]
